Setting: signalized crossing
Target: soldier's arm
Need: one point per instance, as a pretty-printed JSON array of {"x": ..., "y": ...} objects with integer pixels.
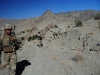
[
  {"x": 0, "y": 43},
  {"x": 17, "y": 40}
]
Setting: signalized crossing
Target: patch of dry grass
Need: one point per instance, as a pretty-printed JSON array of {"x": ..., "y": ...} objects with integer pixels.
[
  {"x": 91, "y": 33},
  {"x": 55, "y": 58},
  {"x": 63, "y": 62},
  {"x": 49, "y": 40},
  {"x": 78, "y": 57},
  {"x": 63, "y": 43},
  {"x": 88, "y": 25}
]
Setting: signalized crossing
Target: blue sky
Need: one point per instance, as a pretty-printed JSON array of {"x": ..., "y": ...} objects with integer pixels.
[{"x": 19, "y": 9}]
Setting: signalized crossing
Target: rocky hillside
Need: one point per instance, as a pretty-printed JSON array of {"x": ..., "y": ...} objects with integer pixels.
[
  {"x": 82, "y": 14},
  {"x": 75, "y": 50}
]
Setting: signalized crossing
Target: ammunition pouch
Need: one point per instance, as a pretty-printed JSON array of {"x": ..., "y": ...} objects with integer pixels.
[{"x": 7, "y": 49}]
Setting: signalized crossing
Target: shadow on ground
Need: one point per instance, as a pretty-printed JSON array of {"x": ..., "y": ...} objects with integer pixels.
[{"x": 21, "y": 66}]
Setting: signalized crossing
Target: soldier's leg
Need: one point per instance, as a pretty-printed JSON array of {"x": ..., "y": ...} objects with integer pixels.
[
  {"x": 41, "y": 43},
  {"x": 57, "y": 36},
  {"x": 13, "y": 62},
  {"x": 83, "y": 44},
  {"x": 54, "y": 36},
  {"x": 4, "y": 60}
]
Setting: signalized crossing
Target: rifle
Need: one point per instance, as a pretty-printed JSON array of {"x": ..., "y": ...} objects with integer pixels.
[
  {"x": 13, "y": 31},
  {"x": 14, "y": 42}
]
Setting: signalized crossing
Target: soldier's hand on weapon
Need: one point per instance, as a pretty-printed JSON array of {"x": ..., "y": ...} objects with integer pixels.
[
  {"x": 36, "y": 35},
  {"x": 13, "y": 33},
  {"x": 13, "y": 38}
]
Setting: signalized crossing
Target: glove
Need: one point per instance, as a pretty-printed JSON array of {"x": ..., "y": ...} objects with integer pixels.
[{"x": 13, "y": 38}]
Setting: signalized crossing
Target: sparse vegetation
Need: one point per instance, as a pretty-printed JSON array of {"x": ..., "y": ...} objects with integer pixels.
[
  {"x": 88, "y": 25},
  {"x": 27, "y": 30},
  {"x": 56, "y": 26},
  {"x": 23, "y": 32},
  {"x": 63, "y": 43},
  {"x": 32, "y": 38},
  {"x": 55, "y": 58},
  {"x": 63, "y": 62},
  {"x": 49, "y": 40},
  {"x": 78, "y": 23},
  {"x": 29, "y": 39},
  {"x": 75, "y": 51},
  {"x": 22, "y": 38},
  {"x": 91, "y": 33},
  {"x": 97, "y": 16},
  {"x": 78, "y": 57}
]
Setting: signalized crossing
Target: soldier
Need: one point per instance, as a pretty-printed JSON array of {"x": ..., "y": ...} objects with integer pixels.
[
  {"x": 55, "y": 35},
  {"x": 59, "y": 33},
  {"x": 85, "y": 41},
  {"x": 8, "y": 50},
  {"x": 65, "y": 34},
  {"x": 39, "y": 37}
]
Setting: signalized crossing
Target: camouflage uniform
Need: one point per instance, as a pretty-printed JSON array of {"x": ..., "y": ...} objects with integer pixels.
[
  {"x": 8, "y": 59},
  {"x": 39, "y": 36},
  {"x": 55, "y": 35},
  {"x": 85, "y": 41}
]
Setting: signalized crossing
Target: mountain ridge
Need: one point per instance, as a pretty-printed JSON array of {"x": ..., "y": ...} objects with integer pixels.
[{"x": 49, "y": 17}]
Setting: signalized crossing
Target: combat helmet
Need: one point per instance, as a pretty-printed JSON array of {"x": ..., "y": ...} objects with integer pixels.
[{"x": 7, "y": 26}]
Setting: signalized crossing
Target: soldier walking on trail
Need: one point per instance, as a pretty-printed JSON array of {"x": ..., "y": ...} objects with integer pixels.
[
  {"x": 8, "y": 59},
  {"x": 55, "y": 35},
  {"x": 60, "y": 34},
  {"x": 85, "y": 41},
  {"x": 39, "y": 37}
]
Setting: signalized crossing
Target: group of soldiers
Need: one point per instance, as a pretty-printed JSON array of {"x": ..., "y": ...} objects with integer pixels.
[
  {"x": 8, "y": 50},
  {"x": 59, "y": 34}
]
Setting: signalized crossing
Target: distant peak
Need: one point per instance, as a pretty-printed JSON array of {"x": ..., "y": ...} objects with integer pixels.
[{"x": 48, "y": 12}]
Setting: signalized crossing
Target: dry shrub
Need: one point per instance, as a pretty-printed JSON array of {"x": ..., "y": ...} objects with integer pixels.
[
  {"x": 55, "y": 58},
  {"x": 63, "y": 62},
  {"x": 62, "y": 48},
  {"x": 78, "y": 57},
  {"x": 91, "y": 33},
  {"x": 78, "y": 49},
  {"x": 88, "y": 25},
  {"x": 34, "y": 41},
  {"x": 63, "y": 43},
  {"x": 78, "y": 23},
  {"x": 97, "y": 16},
  {"x": 49, "y": 40}
]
